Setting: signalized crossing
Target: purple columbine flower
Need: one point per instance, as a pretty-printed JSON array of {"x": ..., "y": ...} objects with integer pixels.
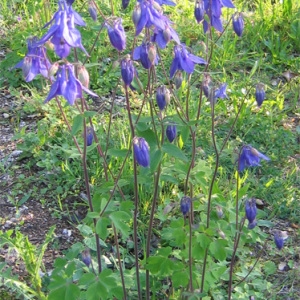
[
  {"x": 199, "y": 10},
  {"x": 250, "y": 157},
  {"x": 35, "y": 62},
  {"x": 251, "y": 211},
  {"x": 221, "y": 91},
  {"x": 163, "y": 37},
  {"x": 162, "y": 97},
  {"x": 171, "y": 132},
  {"x": 213, "y": 9},
  {"x": 148, "y": 13},
  {"x": 238, "y": 23},
  {"x": 260, "y": 94},
  {"x": 165, "y": 2},
  {"x": 63, "y": 34},
  {"x": 147, "y": 54},
  {"x": 67, "y": 85},
  {"x": 185, "y": 205},
  {"x": 279, "y": 238},
  {"x": 141, "y": 152},
  {"x": 117, "y": 35},
  {"x": 127, "y": 70},
  {"x": 184, "y": 60}
]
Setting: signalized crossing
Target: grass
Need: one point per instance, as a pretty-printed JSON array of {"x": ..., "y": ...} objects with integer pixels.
[{"x": 268, "y": 48}]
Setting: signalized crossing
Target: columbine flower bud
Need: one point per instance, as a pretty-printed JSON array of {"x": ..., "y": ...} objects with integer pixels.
[
  {"x": 260, "y": 94},
  {"x": 89, "y": 136},
  {"x": 26, "y": 67},
  {"x": 162, "y": 97},
  {"x": 93, "y": 10},
  {"x": 125, "y": 3},
  {"x": 251, "y": 211},
  {"x": 127, "y": 70},
  {"x": 152, "y": 53},
  {"x": 178, "y": 80},
  {"x": 219, "y": 210},
  {"x": 141, "y": 152},
  {"x": 171, "y": 132},
  {"x": 279, "y": 238},
  {"x": 185, "y": 205},
  {"x": 199, "y": 10},
  {"x": 238, "y": 23},
  {"x": 167, "y": 34},
  {"x": 54, "y": 68},
  {"x": 136, "y": 15},
  {"x": 83, "y": 76},
  {"x": 86, "y": 257},
  {"x": 206, "y": 85}
]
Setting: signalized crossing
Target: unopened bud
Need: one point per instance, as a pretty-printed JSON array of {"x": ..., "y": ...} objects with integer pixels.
[
  {"x": 152, "y": 53},
  {"x": 238, "y": 23},
  {"x": 171, "y": 132},
  {"x": 178, "y": 80},
  {"x": 52, "y": 71},
  {"x": 219, "y": 211},
  {"x": 260, "y": 94},
  {"x": 167, "y": 34},
  {"x": 26, "y": 67},
  {"x": 83, "y": 76},
  {"x": 93, "y": 10},
  {"x": 185, "y": 205},
  {"x": 136, "y": 15}
]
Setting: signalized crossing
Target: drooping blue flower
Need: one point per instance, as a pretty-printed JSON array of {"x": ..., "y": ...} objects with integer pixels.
[
  {"x": 147, "y": 13},
  {"x": 238, "y": 23},
  {"x": 213, "y": 9},
  {"x": 171, "y": 132},
  {"x": 199, "y": 10},
  {"x": 163, "y": 37},
  {"x": 260, "y": 94},
  {"x": 162, "y": 97},
  {"x": 127, "y": 70},
  {"x": 63, "y": 34},
  {"x": 184, "y": 60},
  {"x": 117, "y": 35},
  {"x": 35, "y": 62},
  {"x": 185, "y": 205},
  {"x": 67, "y": 85},
  {"x": 279, "y": 238},
  {"x": 250, "y": 157},
  {"x": 165, "y": 2},
  {"x": 146, "y": 53},
  {"x": 125, "y": 3},
  {"x": 141, "y": 151},
  {"x": 251, "y": 211},
  {"x": 220, "y": 92}
]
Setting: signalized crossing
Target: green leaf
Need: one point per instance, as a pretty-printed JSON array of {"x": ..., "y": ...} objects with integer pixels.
[
  {"x": 119, "y": 219},
  {"x": 155, "y": 160},
  {"x": 270, "y": 267},
  {"x": 89, "y": 113},
  {"x": 174, "y": 151},
  {"x": 118, "y": 152},
  {"x": 217, "y": 249},
  {"x": 77, "y": 124},
  {"x": 101, "y": 227},
  {"x": 85, "y": 230}
]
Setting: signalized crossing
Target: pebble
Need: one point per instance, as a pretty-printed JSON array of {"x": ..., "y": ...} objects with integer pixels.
[{"x": 5, "y": 115}]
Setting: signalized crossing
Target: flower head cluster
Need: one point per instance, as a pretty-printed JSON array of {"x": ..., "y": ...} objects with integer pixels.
[
  {"x": 63, "y": 34},
  {"x": 141, "y": 152},
  {"x": 67, "y": 85},
  {"x": 117, "y": 35},
  {"x": 35, "y": 62},
  {"x": 250, "y": 157},
  {"x": 184, "y": 60},
  {"x": 213, "y": 9},
  {"x": 251, "y": 211}
]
